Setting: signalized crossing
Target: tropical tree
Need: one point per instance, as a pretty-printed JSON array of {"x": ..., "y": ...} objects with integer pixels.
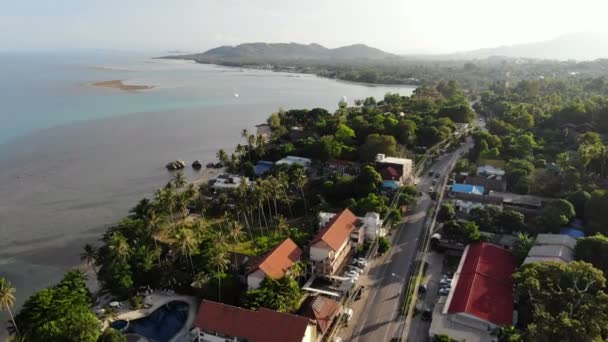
[
  {"x": 186, "y": 244},
  {"x": 281, "y": 225},
  {"x": 235, "y": 231},
  {"x": 89, "y": 255},
  {"x": 141, "y": 209},
  {"x": 119, "y": 246},
  {"x": 179, "y": 181},
  {"x": 300, "y": 179},
  {"x": 222, "y": 156},
  {"x": 7, "y": 300},
  {"x": 219, "y": 262},
  {"x": 281, "y": 294},
  {"x": 522, "y": 247}
]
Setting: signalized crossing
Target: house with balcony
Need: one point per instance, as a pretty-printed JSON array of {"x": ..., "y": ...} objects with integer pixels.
[
  {"x": 275, "y": 264},
  {"x": 332, "y": 244}
]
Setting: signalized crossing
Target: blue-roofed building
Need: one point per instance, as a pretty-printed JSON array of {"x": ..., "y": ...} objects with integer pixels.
[
  {"x": 390, "y": 184},
  {"x": 468, "y": 189},
  {"x": 262, "y": 167},
  {"x": 572, "y": 232}
]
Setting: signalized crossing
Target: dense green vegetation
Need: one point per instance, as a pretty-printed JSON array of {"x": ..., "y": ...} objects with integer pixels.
[{"x": 60, "y": 313}]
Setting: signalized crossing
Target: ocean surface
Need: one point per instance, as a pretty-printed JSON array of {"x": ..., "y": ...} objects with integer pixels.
[{"x": 74, "y": 158}]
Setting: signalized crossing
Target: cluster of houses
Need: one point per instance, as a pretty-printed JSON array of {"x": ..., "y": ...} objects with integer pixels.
[
  {"x": 329, "y": 252},
  {"x": 480, "y": 297},
  {"x": 488, "y": 187}
]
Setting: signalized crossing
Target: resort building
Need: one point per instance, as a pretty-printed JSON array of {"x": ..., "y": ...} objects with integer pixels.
[
  {"x": 226, "y": 181},
  {"x": 262, "y": 167},
  {"x": 481, "y": 299},
  {"x": 332, "y": 244},
  {"x": 323, "y": 311},
  {"x": 291, "y": 160},
  {"x": 394, "y": 169},
  {"x": 275, "y": 264},
  {"x": 264, "y": 130},
  {"x": 218, "y": 322},
  {"x": 552, "y": 247}
]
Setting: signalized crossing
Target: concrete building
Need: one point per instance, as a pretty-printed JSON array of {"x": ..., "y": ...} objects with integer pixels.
[
  {"x": 275, "y": 264},
  {"x": 226, "y": 181},
  {"x": 481, "y": 299},
  {"x": 264, "y": 130},
  {"x": 218, "y": 322},
  {"x": 291, "y": 160},
  {"x": 393, "y": 168},
  {"x": 323, "y": 311},
  {"x": 552, "y": 247},
  {"x": 332, "y": 244}
]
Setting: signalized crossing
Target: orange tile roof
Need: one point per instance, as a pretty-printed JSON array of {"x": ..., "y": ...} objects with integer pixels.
[
  {"x": 321, "y": 309},
  {"x": 262, "y": 325},
  {"x": 276, "y": 262},
  {"x": 337, "y": 230}
]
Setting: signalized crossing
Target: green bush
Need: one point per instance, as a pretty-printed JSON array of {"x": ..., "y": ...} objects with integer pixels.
[{"x": 383, "y": 245}]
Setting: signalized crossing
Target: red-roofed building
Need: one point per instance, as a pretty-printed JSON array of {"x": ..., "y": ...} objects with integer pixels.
[
  {"x": 275, "y": 264},
  {"x": 217, "y": 322},
  {"x": 390, "y": 173},
  {"x": 331, "y": 245},
  {"x": 322, "y": 310},
  {"x": 481, "y": 298}
]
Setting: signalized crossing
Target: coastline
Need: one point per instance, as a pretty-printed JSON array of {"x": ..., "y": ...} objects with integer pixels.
[
  {"x": 119, "y": 84},
  {"x": 300, "y": 72}
]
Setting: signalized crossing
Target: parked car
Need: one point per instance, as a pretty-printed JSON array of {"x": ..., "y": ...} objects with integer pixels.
[
  {"x": 348, "y": 313},
  {"x": 427, "y": 315},
  {"x": 434, "y": 182},
  {"x": 443, "y": 291},
  {"x": 352, "y": 275},
  {"x": 447, "y": 281},
  {"x": 354, "y": 269},
  {"x": 361, "y": 261}
]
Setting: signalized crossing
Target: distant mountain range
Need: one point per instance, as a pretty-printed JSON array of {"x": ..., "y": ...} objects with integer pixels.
[
  {"x": 288, "y": 51},
  {"x": 577, "y": 46}
]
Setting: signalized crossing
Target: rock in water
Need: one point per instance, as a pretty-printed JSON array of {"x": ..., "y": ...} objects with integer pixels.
[{"x": 197, "y": 164}]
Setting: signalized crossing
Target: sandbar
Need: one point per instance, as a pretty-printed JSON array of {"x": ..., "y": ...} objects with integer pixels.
[{"x": 118, "y": 84}]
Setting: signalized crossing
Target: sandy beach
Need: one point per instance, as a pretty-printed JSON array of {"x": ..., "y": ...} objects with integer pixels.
[{"x": 118, "y": 84}]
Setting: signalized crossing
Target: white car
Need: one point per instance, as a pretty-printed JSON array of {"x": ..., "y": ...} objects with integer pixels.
[
  {"x": 361, "y": 261},
  {"x": 354, "y": 269},
  {"x": 352, "y": 275}
]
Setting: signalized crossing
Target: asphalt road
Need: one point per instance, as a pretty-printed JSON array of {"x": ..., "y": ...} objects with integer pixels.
[{"x": 379, "y": 320}]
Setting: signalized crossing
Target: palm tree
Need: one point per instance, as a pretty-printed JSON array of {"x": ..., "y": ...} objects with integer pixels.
[
  {"x": 186, "y": 243},
  {"x": 140, "y": 210},
  {"x": 179, "y": 180},
  {"x": 166, "y": 198},
  {"x": 7, "y": 299},
  {"x": 222, "y": 156},
  {"x": 250, "y": 143},
  {"x": 297, "y": 269},
  {"x": 281, "y": 224},
  {"x": 152, "y": 222},
  {"x": 244, "y": 133},
  {"x": 283, "y": 185},
  {"x": 89, "y": 255},
  {"x": 219, "y": 261},
  {"x": 300, "y": 179},
  {"x": 235, "y": 231},
  {"x": 119, "y": 246}
]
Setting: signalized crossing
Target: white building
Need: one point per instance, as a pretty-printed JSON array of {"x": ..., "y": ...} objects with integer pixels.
[
  {"x": 490, "y": 171},
  {"x": 332, "y": 244},
  {"x": 402, "y": 165},
  {"x": 291, "y": 160},
  {"x": 371, "y": 224},
  {"x": 229, "y": 182},
  {"x": 275, "y": 264},
  {"x": 552, "y": 247}
]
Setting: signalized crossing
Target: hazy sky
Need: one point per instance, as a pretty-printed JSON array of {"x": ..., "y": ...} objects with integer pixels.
[{"x": 402, "y": 26}]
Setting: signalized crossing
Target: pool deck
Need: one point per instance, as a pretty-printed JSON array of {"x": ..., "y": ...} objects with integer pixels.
[{"x": 159, "y": 300}]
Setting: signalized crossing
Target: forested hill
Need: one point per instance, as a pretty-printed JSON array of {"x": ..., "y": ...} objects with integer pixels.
[{"x": 288, "y": 51}]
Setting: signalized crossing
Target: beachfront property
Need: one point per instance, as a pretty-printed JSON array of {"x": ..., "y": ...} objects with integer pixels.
[
  {"x": 227, "y": 181},
  {"x": 394, "y": 169},
  {"x": 330, "y": 248},
  {"x": 552, "y": 247},
  {"x": 275, "y": 264},
  {"x": 481, "y": 296},
  {"x": 217, "y": 322},
  {"x": 264, "y": 131},
  {"x": 293, "y": 160}
]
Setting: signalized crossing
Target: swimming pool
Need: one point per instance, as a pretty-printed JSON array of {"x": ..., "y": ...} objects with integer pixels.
[{"x": 159, "y": 326}]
